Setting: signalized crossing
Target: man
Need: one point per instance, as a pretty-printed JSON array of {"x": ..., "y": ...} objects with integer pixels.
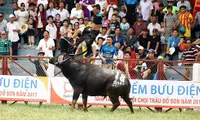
[
  {"x": 64, "y": 14},
  {"x": 196, "y": 25},
  {"x": 174, "y": 8},
  {"x": 189, "y": 55},
  {"x": 3, "y": 23},
  {"x": 145, "y": 8},
  {"x": 117, "y": 38},
  {"x": 110, "y": 9},
  {"x": 173, "y": 44},
  {"x": 186, "y": 19},
  {"x": 108, "y": 52},
  {"x": 153, "y": 25},
  {"x": 169, "y": 22},
  {"x": 127, "y": 66},
  {"x": 76, "y": 13},
  {"x": 103, "y": 34},
  {"x": 160, "y": 14},
  {"x": 131, "y": 6},
  {"x": 46, "y": 45},
  {"x": 102, "y": 3},
  {"x": 143, "y": 39},
  {"x": 139, "y": 25},
  {"x": 51, "y": 11},
  {"x": 13, "y": 31},
  {"x": 5, "y": 44},
  {"x": 185, "y": 3}
]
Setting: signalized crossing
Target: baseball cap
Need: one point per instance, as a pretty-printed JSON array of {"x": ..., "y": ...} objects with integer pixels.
[
  {"x": 11, "y": 15},
  {"x": 139, "y": 16},
  {"x": 3, "y": 32},
  {"x": 140, "y": 48},
  {"x": 151, "y": 50}
]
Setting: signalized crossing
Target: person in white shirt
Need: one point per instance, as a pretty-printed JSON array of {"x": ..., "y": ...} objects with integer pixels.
[
  {"x": 76, "y": 13},
  {"x": 103, "y": 34},
  {"x": 102, "y": 3},
  {"x": 64, "y": 14},
  {"x": 110, "y": 9},
  {"x": 145, "y": 8},
  {"x": 153, "y": 25},
  {"x": 46, "y": 45},
  {"x": 52, "y": 29},
  {"x": 44, "y": 2},
  {"x": 185, "y": 3},
  {"x": 51, "y": 11},
  {"x": 13, "y": 30}
]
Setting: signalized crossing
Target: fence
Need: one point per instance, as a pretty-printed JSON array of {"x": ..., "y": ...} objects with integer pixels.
[{"x": 134, "y": 69}]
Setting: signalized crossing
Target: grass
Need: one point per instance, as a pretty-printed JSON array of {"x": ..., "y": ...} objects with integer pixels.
[{"x": 59, "y": 112}]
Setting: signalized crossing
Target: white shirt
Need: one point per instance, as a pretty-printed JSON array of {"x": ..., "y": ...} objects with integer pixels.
[
  {"x": 110, "y": 12},
  {"x": 52, "y": 29},
  {"x": 105, "y": 38},
  {"x": 13, "y": 36},
  {"x": 23, "y": 1},
  {"x": 102, "y": 3},
  {"x": 145, "y": 8},
  {"x": 44, "y": 2},
  {"x": 64, "y": 14},
  {"x": 150, "y": 27},
  {"x": 63, "y": 30},
  {"x": 22, "y": 16},
  {"x": 186, "y": 3},
  {"x": 75, "y": 13},
  {"x": 45, "y": 45}
]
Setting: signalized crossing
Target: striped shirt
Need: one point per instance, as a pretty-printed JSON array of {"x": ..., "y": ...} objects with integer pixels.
[
  {"x": 190, "y": 54},
  {"x": 185, "y": 19}
]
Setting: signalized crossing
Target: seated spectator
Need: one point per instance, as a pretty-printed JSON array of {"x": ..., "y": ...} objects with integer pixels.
[
  {"x": 97, "y": 49},
  {"x": 113, "y": 24},
  {"x": 133, "y": 54},
  {"x": 117, "y": 38},
  {"x": 175, "y": 9},
  {"x": 108, "y": 52},
  {"x": 3, "y": 22},
  {"x": 64, "y": 14},
  {"x": 120, "y": 52},
  {"x": 123, "y": 11},
  {"x": 146, "y": 8},
  {"x": 110, "y": 9},
  {"x": 76, "y": 13},
  {"x": 154, "y": 42},
  {"x": 128, "y": 67},
  {"x": 103, "y": 34},
  {"x": 153, "y": 25},
  {"x": 124, "y": 26},
  {"x": 143, "y": 39},
  {"x": 141, "y": 53},
  {"x": 139, "y": 25},
  {"x": 51, "y": 10},
  {"x": 130, "y": 39},
  {"x": 196, "y": 25}
]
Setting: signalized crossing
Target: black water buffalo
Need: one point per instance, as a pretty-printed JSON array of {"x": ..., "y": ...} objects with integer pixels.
[{"x": 92, "y": 80}]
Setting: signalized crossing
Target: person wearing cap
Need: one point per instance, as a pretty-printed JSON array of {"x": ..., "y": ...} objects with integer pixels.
[
  {"x": 141, "y": 52},
  {"x": 139, "y": 25},
  {"x": 175, "y": 9},
  {"x": 76, "y": 13},
  {"x": 3, "y": 23},
  {"x": 13, "y": 31},
  {"x": 186, "y": 19},
  {"x": 145, "y": 8},
  {"x": 154, "y": 42}
]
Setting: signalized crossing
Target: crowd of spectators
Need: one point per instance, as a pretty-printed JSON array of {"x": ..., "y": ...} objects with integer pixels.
[{"x": 136, "y": 29}]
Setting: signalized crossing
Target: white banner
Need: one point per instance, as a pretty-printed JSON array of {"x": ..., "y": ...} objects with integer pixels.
[
  {"x": 24, "y": 88},
  {"x": 146, "y": 93}
]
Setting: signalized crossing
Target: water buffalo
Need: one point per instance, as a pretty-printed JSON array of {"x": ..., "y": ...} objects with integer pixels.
[{"x": 92, "y": 80}]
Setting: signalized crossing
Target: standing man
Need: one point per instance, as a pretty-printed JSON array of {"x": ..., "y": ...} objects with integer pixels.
[
  {"x": 3, "y": 26},
  {"x": 64, "y": 14},
  {"x": 108, "y": 52},
  {"x": 131, "y": 8},
  {"x": 5, "y": 45},
  {"x": 153, "y": 25},
  {"x": 13, "y": 30}
]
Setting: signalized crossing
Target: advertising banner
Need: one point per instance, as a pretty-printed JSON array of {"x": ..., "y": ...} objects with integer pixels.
[
  {"x": 144, "y": 93},
  {"x": 24, "y": 88}
]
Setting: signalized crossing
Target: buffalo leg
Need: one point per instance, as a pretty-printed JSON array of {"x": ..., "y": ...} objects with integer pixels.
[
  {"x": 115, "y": 101},
  {"x": 128, "y": 102},
  {"x": 75, "y": 98},
  {"x": 85, "y": 102}
]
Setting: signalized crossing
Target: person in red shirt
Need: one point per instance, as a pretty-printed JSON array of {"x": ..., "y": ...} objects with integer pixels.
[{"x": 128, "y": 67}]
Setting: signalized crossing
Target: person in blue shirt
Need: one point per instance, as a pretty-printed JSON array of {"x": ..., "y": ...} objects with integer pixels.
[
  {"x": 117, "y": 38},
  {"x": 108, "y": 52},
  {"x": 173, "y": 43}
]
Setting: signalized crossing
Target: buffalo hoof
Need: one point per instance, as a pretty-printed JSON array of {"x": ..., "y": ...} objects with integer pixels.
[{"x": 85, "y": 110}]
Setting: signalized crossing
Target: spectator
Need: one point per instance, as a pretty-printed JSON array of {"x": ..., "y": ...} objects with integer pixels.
[
  {"x": 169, "y": 22},
  {"x": 120, "y": 52},
  {"x": 85, "y": 5},
  {"x": 127, "y": 67},
  {"x": 113, "y": 24},
  {"x": 141, "y": 53},
  {"x": 123, "y": 11},
  {"x": 103, "y": 34},
  {"x": 117, "y": 38},
  {"x": 13, "y": 30},
  {"x": 76, "y": 13},
  {"x": 145, "y": 8},
  {"x": 131, "y": 8},
  {"x": 44, "y": 2},
  {"x": 51, "y": 10},
  {"x": 190, "y": 56},
  {"x": 41, "y": 21},
  {"x": 58, "y": 24},
  {"x": 100, "y": 41},
  {"x": 153, "y": 25},
  {"x": 174, "y": 8},
  {"x": 106, "y": 22},
  {"x": 108, "y": 52},
  {"x": 124, "y": 26},
  {"x": 3, "y": 26},
  {"x": 70, "y": 4},
  {"x": 15, "y": 8},
  {"x": 196, "y": 25},
  {"x": 31, "y": 31},
  {"x": 110, "y": 9},
  {"x": 139, "y": 25},
  {"x": 143, "y": 39},
  {"x": 129, "y": 49},
  {"x": 31, "y": 10},
  {"x": 185, "y": 3},
  {"x": 40, "y": 65},
  {"x": 186, "y": 20},
  {"x": 156, "y": 5},
  {"x": 22, "y": 18},
  {"x": 154, "y": 42},
  {"x": 46, "y": 45},
  {"x": 130, "y": 39},
  {"x": 52, "y": 29},
  {"x": 149, "y": 69},
  {"x": 19, "y": 2},
  {"x": 64, "y": 14},
  {"x": 159, "y": 13},
  {"x": 5, "y": 45},
  {"x": 102, "y": 3},
  {"x": 173, "y": 44}
]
